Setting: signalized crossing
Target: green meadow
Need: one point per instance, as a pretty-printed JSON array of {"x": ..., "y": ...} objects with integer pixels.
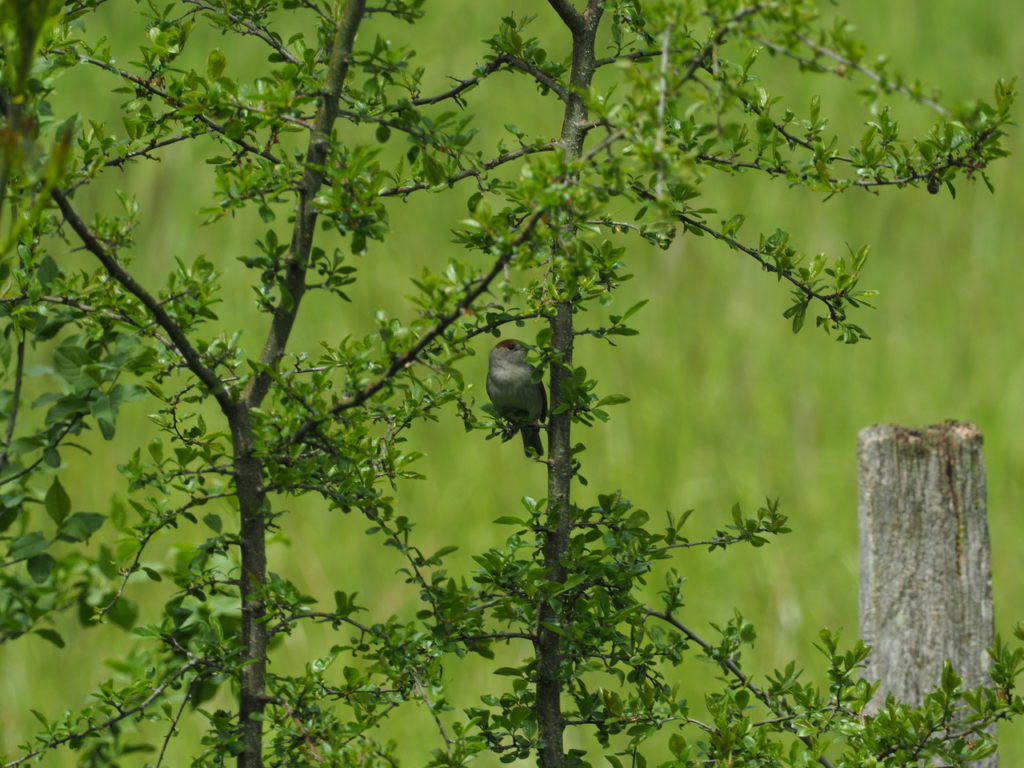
[{"x": 726, "y": 405}]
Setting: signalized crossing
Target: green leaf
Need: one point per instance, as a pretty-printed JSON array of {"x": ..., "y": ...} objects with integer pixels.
[
  {"x": 69, "y": 362},
  {"x": 441, "y": 553},
  {"x": 51, "y": 635},
  {"x": 432, "y": 170},
  {"x": 28, "y": 545},
  {"x": 104, "y": 410},
  {"x": 518, "y": 716},
  {"x": 47, "y": 272},
  {"x": 215, "y": 63},
  {"x": 637, "y": 519},
  {"x": 677, "y": 744},
  {"x": 7, "y": 516},
  {"x": 123, "y": 613},
  {"x": 57, "y": 502},
  {"x": 634, "y": 309},
  {"x": 733, "y": 225},
  {"x": 40, "y": 566},
  {"x": 950, "y": 680},
  {"x": 571, "y": 583},
  {"x": 345, "y": 603},
  {"x": 551, "y": 626},
  {"x": 798, "y": 313},
  {"x": 214, "y": 522},
  {"x": 80, "y": 526}
]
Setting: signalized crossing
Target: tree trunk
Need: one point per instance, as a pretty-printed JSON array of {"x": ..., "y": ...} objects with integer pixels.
[
  {"x": 548, "y": 705},
  {"x": 252, "y": 582}
]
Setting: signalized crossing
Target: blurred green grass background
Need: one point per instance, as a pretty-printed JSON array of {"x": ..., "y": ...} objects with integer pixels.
[{"x": 727, "y": 404}]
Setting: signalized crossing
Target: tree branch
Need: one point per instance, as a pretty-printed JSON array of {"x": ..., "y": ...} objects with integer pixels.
[
  {"x": 123, "y": 714},
  {"x": 537, "y": 74},
  {"x": 409, "y": 357},
  {"x": 659, "y": 138},
  {"x": 184, "y": 347},
  {"x": 122, "y": 160},
  {"x": 493, "y": 66},
  {"x": 246, "y": 27},
  {"x": 12, "y": 416},
  {"x": 857, "y": 67},
  {"x": 829, "y": 300},
  {"x": 732, "y": 668},
  {"x": 161, "y": 523},
  {"x": 31, "y": 467},
  {"x": 306, "y": 214},
  {"x": 716, "y": 40},
  {"x": 148, "y": 86},
  {"x": 494, "y": 162},
  {"x": 568, "y": 14},
  {"x": 174, "y": 724},
  {"x": 632, "y": 56}
]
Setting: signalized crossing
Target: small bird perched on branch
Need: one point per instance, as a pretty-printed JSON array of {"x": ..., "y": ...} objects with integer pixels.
[{"x": 516, "y": 397}]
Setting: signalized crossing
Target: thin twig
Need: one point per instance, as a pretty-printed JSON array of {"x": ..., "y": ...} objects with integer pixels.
[
  {"x": 716, "y": 40},
  {"x": 462, "y": 85},
  {"x": 144, "y": 541},
  {"x": 494, "y": 65},
  {"x": 72, "y": 422},
  {"x": 898, "y": 87},
  {"x": 246, "y": 27},
  {"x": 496, "y": 636},
  {"x": 12, "y": 417},
  {"x": 659, "y": 137},
  {"x": 174, "y": 725},
  {"x": 437, "y": 720},
  {"x": 603, "y": 144},
  {"x": 827, "y": 299},
  {"x": 322, "y": 617},
  {"x": 149, "y": 87},
  {"x": 539, "y": 75},
  {"x": 122, "y": 714},
  {"x": 491, "y": 164},
  {"x": 122, "y": 160},
  {"x": 310, "y": 746},
  {"x": 631, "y": 56},
  {"x": 730, "y": 666}
]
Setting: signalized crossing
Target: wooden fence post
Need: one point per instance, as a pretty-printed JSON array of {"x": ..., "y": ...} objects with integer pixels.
[{"x": 925, "y": 563}]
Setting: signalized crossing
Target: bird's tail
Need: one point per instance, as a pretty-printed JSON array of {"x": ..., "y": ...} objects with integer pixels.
[{"x": 531, "y": 440}]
